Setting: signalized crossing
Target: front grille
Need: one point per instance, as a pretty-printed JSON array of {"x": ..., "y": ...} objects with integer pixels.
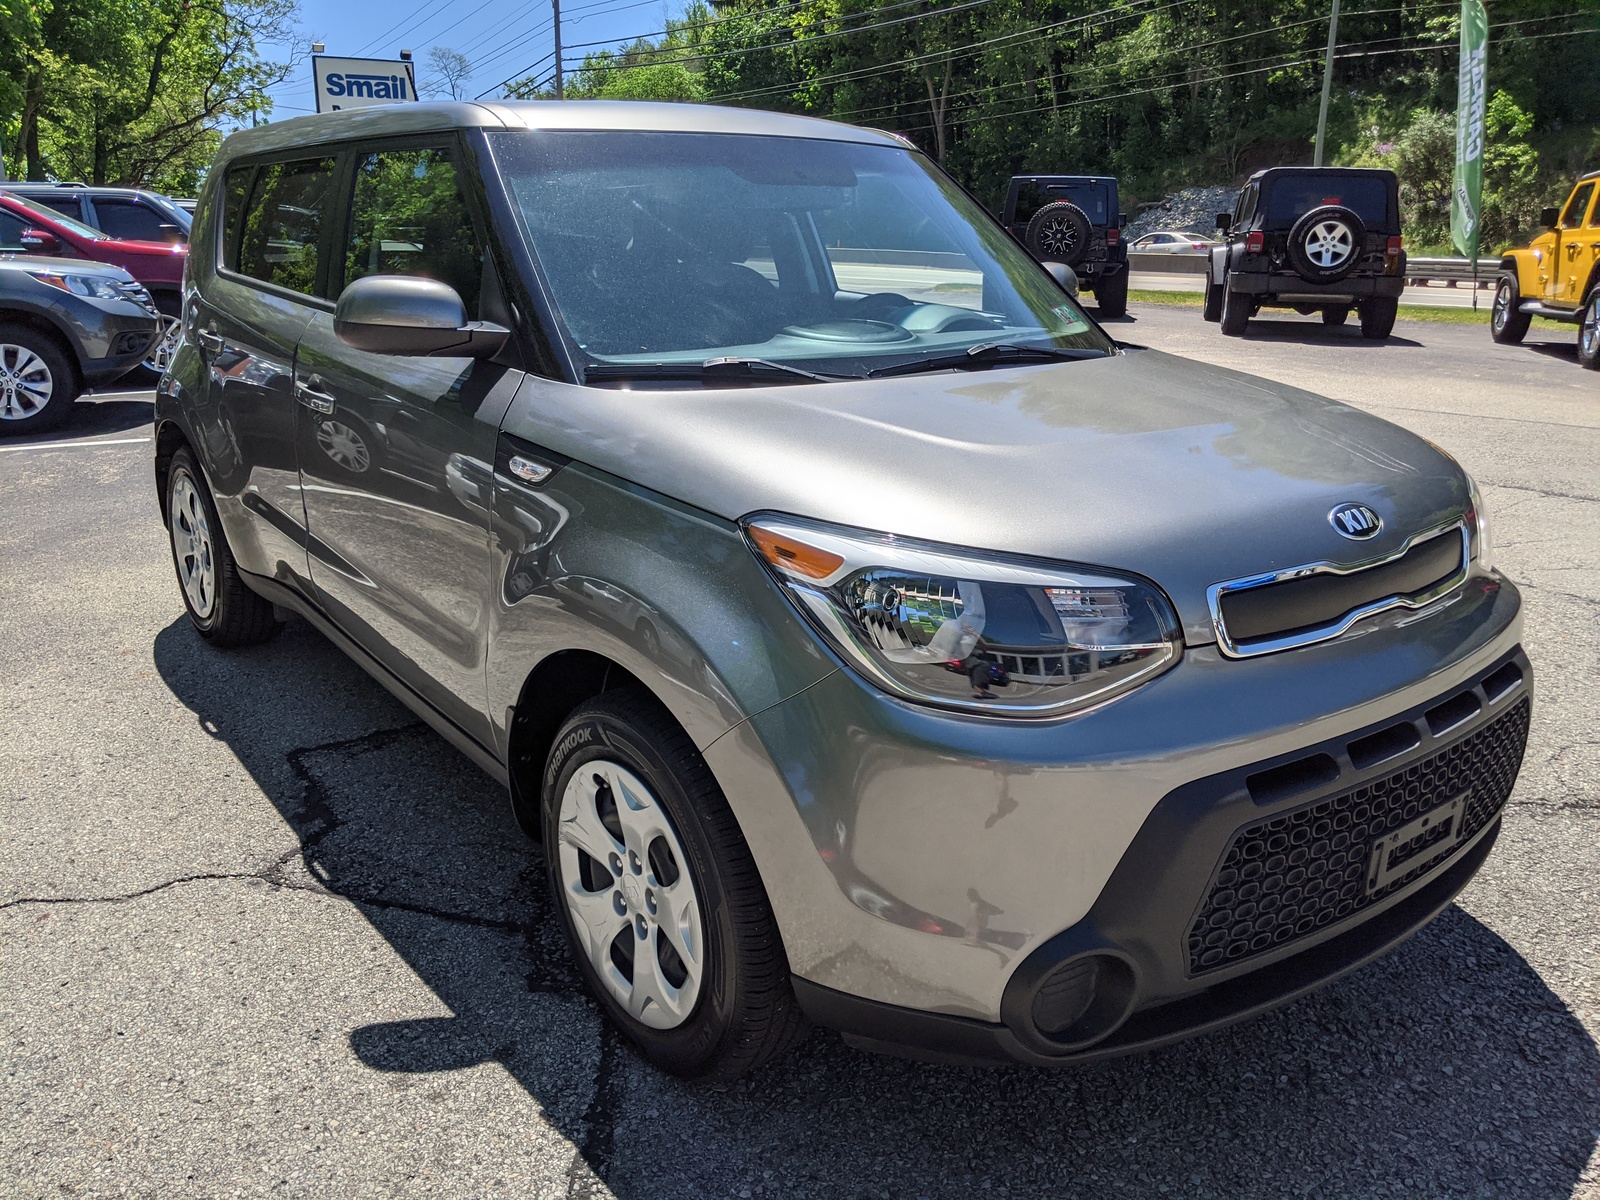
[
  {"x": 1290, "y": 875},
  {"x": 1292, "y": 606}
]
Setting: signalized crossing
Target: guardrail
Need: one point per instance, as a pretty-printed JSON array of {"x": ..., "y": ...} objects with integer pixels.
[{"x": 1422, "y": 272}]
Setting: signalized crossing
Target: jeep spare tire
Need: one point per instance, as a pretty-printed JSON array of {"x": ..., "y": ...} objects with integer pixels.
[
  {"x": 1060, "y": 232},
  {"x": 1326, "y": 243}
]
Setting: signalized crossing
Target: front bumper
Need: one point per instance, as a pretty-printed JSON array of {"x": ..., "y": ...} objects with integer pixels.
[
  {"x": 925, "y": 862},
  {"x": 1287, "y": 286}
]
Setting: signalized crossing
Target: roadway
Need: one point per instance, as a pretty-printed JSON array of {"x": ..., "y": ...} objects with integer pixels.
[{"x": 264, "y": 935}]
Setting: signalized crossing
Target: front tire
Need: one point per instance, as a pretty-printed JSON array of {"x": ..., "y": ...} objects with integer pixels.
[
  {"x": 1507, "y": 325},
  {"x": 221, "y": 607},
  {"x": 1589, "y": 332},
  {"x": 1235, "y": 312},
  {"x": 37, "y": 383},
  {"x": 1377, "y": 317},
  {"x": 661, "y": 901}
]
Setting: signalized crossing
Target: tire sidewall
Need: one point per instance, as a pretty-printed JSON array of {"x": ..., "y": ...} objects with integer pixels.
[
  {"x": 1590, "y": 313},
  {"x": 591, "y": 734},
  {"x": 1296, "y": 249},
  {"x": 63, "y": 383},
  {"x": 1071, "y": 212},
  {"x": 1235, "y": 314}
]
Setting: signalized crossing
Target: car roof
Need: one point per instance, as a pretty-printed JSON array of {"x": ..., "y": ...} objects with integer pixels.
[
  {"x": 1066, "y": 178},
  {"x": 388, "y": 120},
  {"x": 23, "y": 188}
]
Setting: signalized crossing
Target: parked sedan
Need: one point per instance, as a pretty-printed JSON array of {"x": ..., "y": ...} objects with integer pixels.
[
  {"x": 1164, "y": 241},
  {"x": 65, "y": 325},
  {"x": 158, "y": 265}
]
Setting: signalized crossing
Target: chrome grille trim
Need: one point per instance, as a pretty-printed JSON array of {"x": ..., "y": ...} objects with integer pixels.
[{"x": 1341, "y": 626}]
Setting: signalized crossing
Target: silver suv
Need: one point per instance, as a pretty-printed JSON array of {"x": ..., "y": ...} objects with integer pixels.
[{"x": 864, "y": 634}]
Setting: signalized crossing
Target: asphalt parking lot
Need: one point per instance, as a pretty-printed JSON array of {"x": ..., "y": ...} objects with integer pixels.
[{"x": 262, "y": 934}]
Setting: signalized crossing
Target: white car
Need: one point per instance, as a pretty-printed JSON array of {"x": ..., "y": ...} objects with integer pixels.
[{"x": 1170, "y": 242}]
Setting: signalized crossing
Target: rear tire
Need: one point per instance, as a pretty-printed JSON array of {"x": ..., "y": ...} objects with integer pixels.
[
  {"x": 1589, "y": 332},
  {"x": 1111, "y": 294},
  {"x": 1212, "y": 311},
  {"x": 1377, "y": 317},
  {"x": 1335, "y": 316},
  {"x": 658, "y": 867},
  {"x": 1059, "y": 232},
  {"x": 37, "y": 383},
  {"x": 1235, "y": 312},
  {"x": 221, "y": 607},
  {"x": 1507, "y": 325}
]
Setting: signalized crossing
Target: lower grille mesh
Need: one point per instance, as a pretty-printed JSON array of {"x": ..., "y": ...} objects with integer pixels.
[{"x": 1289, "y": 875}]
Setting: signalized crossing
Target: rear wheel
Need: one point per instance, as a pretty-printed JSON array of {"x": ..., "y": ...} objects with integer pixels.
[
  {"x": 159, "y": 357},
  {"x": 1589, "y": 332},
  {"x": 222, "y": 609},
  {"x": 1377, "y": 317},
  {"x": 37, "y": 385},
  {"x": 1335, "y": 316},
  {"x": 1111, "y": 294},
  {"x": 1508, "y": 325},
  {"x": 1235, "y": 312},
  {"x": 659, "y": 896}
]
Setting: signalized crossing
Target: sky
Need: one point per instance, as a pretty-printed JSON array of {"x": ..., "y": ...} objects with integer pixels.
[{"x": 503, "y": 39}]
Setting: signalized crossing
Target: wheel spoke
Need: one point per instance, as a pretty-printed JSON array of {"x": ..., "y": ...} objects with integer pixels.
[
  {"x": 581, "y": 828},
  {"x": 650, "y": 986},
  {"x": 597, "y": 919},
  {"x": 679, "y": 917}
]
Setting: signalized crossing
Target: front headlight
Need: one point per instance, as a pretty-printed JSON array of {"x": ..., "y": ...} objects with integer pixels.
[
  {"x": 100, "y": 287},
  {"x": 1481, "y": 528},
  {"x": 966, "y": 629}
]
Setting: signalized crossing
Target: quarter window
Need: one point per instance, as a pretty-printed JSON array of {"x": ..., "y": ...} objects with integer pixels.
[
  {"x": 409, "y": 217},
  {"x": 281, "y": 236},
  {"x": 135, "y": 221}
]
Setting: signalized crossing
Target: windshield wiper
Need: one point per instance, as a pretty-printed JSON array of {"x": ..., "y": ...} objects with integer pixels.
[
  {"x": 986, "y": 354},
  {"x": 711, "y": 368}
]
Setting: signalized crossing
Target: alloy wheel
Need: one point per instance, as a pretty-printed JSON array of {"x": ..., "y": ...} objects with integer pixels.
[
  {"x": 344, "y": 446},
  {"x": 191, "y": 546},
  {"x": 26, "y": 384},
  {"x": 161, "y": 350},
  {"x": 1329, "y": 243},
  {"x": 1502, "y": 307},
  {"x": 1589, "y": 329},
  {"x": 626, "y": 882},
  {"x": 1059, "y": 237}
]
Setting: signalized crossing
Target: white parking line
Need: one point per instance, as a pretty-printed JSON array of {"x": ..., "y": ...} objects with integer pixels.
[{"x": 73, "y": 445}]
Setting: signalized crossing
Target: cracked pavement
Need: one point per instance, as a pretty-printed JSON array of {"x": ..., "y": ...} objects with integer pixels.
[{"x": 263, "y": 934}]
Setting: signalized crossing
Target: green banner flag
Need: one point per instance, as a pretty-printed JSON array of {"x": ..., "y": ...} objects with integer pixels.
[{"x": 1466, "y": 196}]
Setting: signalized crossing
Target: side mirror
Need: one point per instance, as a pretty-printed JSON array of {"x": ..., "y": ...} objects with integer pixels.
[
  {"x": 39, "y": 241},
  {"x": 1548, "y": 217},
  {"x": 1065, "y": 276},
  {"x": 1224, "y": 222},
  {"x": 410, "y": 315}
]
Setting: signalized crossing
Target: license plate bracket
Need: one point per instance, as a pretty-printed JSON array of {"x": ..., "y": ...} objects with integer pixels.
[{"x": 1431, "y": 834}]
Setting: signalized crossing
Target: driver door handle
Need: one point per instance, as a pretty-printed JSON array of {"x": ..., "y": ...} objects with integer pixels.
[
  {"x": 317, "y": 401},
  {"x": 210, "y": 340}
]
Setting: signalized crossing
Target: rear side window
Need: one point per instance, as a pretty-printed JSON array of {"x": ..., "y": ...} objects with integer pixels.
[
  {"x": 235, "y": 191},
  {"x": 66, "y": 205},
  {"x": 136, "y": 222},
  {"x": 280, "y": 237},
  {"x": 408, "y": 217},
  {"x": 11, "y": 227}
]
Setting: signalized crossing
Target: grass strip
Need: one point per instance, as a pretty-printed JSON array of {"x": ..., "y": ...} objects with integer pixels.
[{"x": 1408, "y": 312}]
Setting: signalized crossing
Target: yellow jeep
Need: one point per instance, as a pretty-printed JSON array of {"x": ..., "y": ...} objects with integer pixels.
[{"x": 1557, "y": 276}]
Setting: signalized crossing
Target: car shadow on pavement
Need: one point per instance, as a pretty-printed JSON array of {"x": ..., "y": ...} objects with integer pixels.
[
  {"x": 92, "y": 417},
  {"x": 1447, "y": 1068},
  {"x": 1266, "y": 329}
]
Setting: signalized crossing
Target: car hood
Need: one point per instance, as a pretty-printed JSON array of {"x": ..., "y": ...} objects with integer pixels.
[
  {"x": 66, "y": 266},
  {"x": 1184, "y": 473}
]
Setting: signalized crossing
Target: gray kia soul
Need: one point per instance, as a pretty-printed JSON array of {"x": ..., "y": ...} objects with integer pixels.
[{"x": 864, "y": 634}]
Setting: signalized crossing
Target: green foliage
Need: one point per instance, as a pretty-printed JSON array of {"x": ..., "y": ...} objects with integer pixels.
[
  {"x": 133, "y": 91},
  {"x": 1161, "y": 94}
]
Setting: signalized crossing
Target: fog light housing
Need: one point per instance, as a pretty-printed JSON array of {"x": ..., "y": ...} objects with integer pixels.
[{"x": 1082, "y": 1000}]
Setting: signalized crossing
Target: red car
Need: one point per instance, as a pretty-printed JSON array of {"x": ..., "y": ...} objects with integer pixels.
[{"x": 157, "y": 265}]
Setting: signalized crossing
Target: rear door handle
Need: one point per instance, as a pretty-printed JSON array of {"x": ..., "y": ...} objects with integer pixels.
[
  {"x": 210, "y": 340},
  {"x": 313, "y": 399}
]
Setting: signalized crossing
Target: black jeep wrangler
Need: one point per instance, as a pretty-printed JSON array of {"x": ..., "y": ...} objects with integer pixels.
[
  {"x": 1073, "y": 219},
  {"x": 1312, "y": 239}
]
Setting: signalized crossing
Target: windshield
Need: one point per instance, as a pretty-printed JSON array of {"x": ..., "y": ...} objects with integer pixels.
[
  {"x": 1291, "y": 196},
  {"x": 51, "y": 217},
  {"x": 840, "y": 258}
]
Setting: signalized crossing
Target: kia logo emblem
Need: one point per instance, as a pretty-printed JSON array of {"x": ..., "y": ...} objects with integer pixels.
[{"x": 1355, "y": 521}]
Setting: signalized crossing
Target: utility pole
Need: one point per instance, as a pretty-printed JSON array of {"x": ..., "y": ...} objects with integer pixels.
[
  {"x": 555, "y": 9},
  {"x": 1327, "y": 85}
]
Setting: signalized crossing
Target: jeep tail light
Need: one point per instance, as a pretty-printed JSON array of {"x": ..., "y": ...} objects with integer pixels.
[
  {"x": 1394, "y": 245},
  {"x": 1255, "y": 243},
  {"x": 1113, "y": 236}
]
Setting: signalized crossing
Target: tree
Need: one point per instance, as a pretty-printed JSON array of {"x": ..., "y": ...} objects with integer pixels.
[
  {"x": 449, "y": 72},
  {"x": 140, "y": 91}
]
